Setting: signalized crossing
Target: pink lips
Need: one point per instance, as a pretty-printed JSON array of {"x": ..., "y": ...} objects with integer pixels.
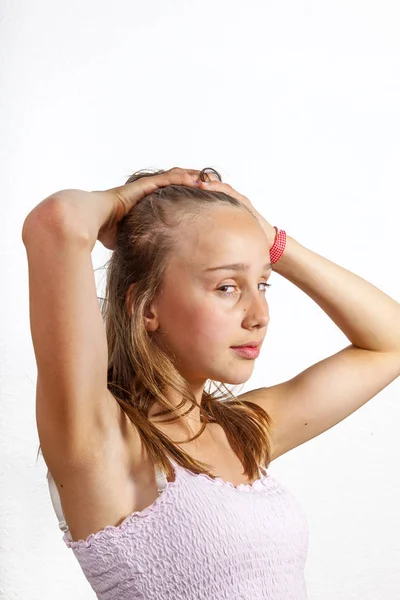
[{"x": 247, "y": 351}]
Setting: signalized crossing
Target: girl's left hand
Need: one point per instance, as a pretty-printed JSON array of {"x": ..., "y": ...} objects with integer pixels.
[{"x": 218, "y": 186}]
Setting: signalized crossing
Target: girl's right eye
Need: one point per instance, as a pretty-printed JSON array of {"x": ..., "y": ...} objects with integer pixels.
[{"x": 232, "y": 286}]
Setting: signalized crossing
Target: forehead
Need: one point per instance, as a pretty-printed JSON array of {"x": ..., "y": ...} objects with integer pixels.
[{"x": 220, "y": 236}]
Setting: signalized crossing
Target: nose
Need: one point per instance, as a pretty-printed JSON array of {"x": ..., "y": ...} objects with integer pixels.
[{"x": 257, "y": 312}]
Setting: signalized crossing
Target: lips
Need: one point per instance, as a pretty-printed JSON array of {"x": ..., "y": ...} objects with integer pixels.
[
  {"x": 249, "y": 345},
  {"x": 250, "y": 352}
]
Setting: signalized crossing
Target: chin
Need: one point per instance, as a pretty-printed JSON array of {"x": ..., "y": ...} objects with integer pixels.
[
  {"x": 233, "y": 379},
  {"x": 236, "y": 380}
]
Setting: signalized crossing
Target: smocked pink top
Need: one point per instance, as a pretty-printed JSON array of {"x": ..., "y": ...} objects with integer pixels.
[{"x": 200, "y": 539}]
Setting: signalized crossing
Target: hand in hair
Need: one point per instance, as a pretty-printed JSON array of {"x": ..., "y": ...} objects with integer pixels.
[
  {"x": 125, "y": 197},
  {"x": 218, "y": 186}
]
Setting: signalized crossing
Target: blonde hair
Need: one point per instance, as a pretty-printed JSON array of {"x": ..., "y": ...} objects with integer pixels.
[{"x": 139, "y": 371}]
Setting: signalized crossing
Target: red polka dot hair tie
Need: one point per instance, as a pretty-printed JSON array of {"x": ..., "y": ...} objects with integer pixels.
[{"x": 278, "y": 246}]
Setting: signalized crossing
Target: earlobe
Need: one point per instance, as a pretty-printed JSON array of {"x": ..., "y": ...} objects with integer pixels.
[
  {"x": 150, "y": 319},
  {"x": 150, "y": 324}
]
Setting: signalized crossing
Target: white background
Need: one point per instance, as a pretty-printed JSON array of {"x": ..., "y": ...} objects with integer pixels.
[{"x": 296, "y": 104}]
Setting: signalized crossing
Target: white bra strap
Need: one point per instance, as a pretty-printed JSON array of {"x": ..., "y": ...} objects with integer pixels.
[
  {"x": 161, "y": 479},
  {"x": 56, "y": 502}
]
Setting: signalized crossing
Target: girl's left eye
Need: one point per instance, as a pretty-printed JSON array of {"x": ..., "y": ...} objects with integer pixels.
[{"x": 232, "y": 286}]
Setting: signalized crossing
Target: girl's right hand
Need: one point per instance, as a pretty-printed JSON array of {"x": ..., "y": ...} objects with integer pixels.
[{"x": 123, "y": 198}]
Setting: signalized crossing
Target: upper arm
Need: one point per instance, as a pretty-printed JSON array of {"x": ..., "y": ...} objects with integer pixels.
[
  {"x": 324, "y": 394},
  {"x": 73, "y": 404}
]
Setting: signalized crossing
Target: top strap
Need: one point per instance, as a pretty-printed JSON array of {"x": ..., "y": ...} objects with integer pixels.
[{"x": 56, "y": 502}]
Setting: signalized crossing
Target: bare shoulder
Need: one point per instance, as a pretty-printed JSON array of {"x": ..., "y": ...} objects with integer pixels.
[
  {"x": 267, "y": 398},
  {"x": 263, "y": 397}
]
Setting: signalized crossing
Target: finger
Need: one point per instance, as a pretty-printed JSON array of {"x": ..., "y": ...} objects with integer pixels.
[
  {"x": 215, "y": 184},
  {"x": 211, "y": 175},
  {"x": 172, "y": 177},
  {"x": 218, "y": 186},
  {"x": 193, "y": 172},
  {"x": 183, "y": 176}
]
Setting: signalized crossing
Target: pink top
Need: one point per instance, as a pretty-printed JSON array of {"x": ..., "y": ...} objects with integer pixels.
[{"x": 200, "y": 539}]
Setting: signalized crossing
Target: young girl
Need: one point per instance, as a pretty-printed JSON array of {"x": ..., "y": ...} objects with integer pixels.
[{"x": 160, "y": 486}]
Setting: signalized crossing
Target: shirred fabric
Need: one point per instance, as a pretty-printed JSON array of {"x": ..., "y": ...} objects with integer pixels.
[{"x": 202, "y": 538}]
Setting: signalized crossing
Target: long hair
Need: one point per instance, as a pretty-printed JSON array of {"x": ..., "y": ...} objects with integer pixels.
[{"x": 139, "y": 371}]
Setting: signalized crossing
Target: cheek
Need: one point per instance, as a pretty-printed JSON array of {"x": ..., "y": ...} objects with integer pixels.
[
  {"x": 200, "y": 324},
  {"x": 208, "y": 326}
]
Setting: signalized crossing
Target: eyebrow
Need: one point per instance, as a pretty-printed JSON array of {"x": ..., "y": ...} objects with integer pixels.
[{"x": 236, "y": 267}]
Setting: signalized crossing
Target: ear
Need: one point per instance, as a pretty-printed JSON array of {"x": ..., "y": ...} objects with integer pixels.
[{"x": 150, "y": 317}]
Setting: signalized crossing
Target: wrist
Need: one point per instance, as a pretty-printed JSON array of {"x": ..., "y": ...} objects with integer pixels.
[
  {"x": 282, "y": 266},
  {"x": 91, "y": 211},
  {"x": 278, "y": 246}
]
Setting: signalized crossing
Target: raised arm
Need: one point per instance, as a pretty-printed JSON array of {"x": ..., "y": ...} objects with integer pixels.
[{"x": 74, "y": 409}]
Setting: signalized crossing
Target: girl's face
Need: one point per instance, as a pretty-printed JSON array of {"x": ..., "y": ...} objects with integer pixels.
[{"x": 198, "y": 321}]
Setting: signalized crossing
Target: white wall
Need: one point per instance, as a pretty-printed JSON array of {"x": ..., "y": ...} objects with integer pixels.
[{"x": 297, "y": 105}]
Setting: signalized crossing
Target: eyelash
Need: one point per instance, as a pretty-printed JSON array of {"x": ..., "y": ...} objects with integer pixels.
[{"x": 231, "y": 293}]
